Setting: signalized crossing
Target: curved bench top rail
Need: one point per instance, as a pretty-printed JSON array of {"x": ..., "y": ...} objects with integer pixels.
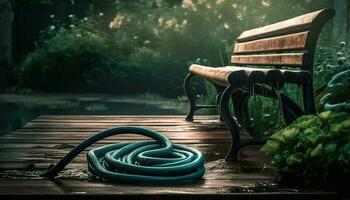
[{"x": 314, "y": 20}]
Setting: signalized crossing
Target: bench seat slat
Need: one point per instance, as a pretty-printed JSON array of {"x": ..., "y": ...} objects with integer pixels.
[
  {"x": 290, "y": 42},
  {"x": 217, "y": 75},
  {"x": 288, "y": 59},
  {"x": 243, "y": 75}
]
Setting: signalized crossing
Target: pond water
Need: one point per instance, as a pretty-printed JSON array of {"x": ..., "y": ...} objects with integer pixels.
[{"x": 16, "y": 110}]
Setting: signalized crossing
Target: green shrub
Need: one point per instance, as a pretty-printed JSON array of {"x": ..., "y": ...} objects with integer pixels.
[
  {"x": 74, "y": 58},
  {"x": 314, "y": 150},
  {"x": 85, "y": 57}
]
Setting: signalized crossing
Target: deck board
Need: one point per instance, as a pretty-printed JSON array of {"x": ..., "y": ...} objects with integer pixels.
[{"x": 27, "y": 152}]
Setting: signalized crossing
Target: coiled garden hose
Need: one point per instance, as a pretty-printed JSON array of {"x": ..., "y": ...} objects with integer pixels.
[{"x": 146, "y": 161}]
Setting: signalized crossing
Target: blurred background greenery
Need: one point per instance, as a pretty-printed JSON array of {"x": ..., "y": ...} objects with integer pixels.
[{"x": 146, "y": 45}]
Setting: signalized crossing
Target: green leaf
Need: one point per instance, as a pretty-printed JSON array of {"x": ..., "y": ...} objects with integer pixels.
[
  {"x": 294, "y": 159},
  {"x": 271, "y": 147},
  {"x": 344, "y": 159},
  {"x": 308, "y": 121},
  {"x": 317, "y": 151},
  {"x": 312, "y": 135},
  {"x": 278, "y": 136},
  {"x": 325, "y": 115},
  {"x": 334, "y": 117},
  {"x": 346, "y": 148},
  {"x": 335, "y": 130},
  {"x": 345, "y": 125},
  {"x": 289, "y": 134},
  {"x": 330, "y": 148}
]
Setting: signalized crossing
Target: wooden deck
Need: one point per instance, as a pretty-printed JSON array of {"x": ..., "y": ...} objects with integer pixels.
[{"x": 27, "y": 152}]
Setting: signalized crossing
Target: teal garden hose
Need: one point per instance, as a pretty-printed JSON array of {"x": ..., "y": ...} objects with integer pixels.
[{"x": 146, "y": 161}]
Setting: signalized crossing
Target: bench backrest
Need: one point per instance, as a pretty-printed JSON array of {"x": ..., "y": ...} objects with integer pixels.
[{"x": 288, "y": 43}]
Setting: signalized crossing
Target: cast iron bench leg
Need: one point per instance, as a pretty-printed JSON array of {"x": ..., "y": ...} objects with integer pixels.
[
  {"x": 308, "y": 99},
  {"x": 190, "y": 96},
  {"x": 220, "y": 90},
  {"x": 231, "y": 123},
  {"x": 240, "y": 103}
]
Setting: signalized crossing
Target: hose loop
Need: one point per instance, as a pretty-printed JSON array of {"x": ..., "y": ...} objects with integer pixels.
[{"x": 146, "y": 161}]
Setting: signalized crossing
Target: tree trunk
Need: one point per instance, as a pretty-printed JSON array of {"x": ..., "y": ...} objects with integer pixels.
[
  {"x": 6, "y": 18},
  {"x": 341, "y": 21}
]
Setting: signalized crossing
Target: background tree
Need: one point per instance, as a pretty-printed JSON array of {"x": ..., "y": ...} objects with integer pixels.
[
  {"x": 6, "y": 20},
  {"x": 6, "y": 16},
  {"x": 341, "y": 20}
]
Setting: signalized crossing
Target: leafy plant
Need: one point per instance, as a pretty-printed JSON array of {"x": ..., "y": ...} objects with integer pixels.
[
  {"x": 330, "y": 61},
  {"x": 337, "y": 97},
  {"x": 263, "y": 118},
  {"x": 70, "y": 58},
  {"x": 313, "y": 150}
]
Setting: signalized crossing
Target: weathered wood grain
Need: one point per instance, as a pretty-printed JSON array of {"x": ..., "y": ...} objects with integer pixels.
[
  {"x": 291, "y": 59},
  {"x": 290, "y": 42}
]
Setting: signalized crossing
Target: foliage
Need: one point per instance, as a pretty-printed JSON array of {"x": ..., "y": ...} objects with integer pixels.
[
  {"x": 263, "y": 118},
  {"x": 151, "y": 44},
  {"x": 331, "y": 79},
  {"x": 69, "y": 56},
  {"x": 313, "y": 150},
  {"x": 5, "y": 2},
  {"x": 337, "y": 96},
  {"x": 331, "y": 83}
]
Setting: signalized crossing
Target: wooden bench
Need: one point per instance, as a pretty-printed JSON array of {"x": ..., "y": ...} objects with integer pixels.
[{"x": 290, "y": 43}]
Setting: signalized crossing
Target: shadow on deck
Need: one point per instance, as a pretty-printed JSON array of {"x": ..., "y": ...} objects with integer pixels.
[{"x": 27, "y": 152}]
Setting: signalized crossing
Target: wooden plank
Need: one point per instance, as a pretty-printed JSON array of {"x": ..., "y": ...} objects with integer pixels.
[
  {"x": 92, "y": 124},
  {"x": 85, "y": 129},
  {"x": 217, "y": 75},
  {"x": 122, "y": 116},
  {"x": 290, "y": 42},
  {"x": 76, "y": 184},
  {"x": 118, "y": 137},
  {"x": 207, "y": 187},
  {"x": 186, "y": 133},
  {"x": 53, "y": 152},
  {"x": 294, "y": 25},
  {"x": 33, "y": 149},
  {"x": 167, "y": 194},
  {"x": 291, "y": 59},
  {"x": 112, "y": 123},
  {"x": 123, "y": 120},
  {"x": 31, "y": 145},
  {"x": 39, "y": 142}
]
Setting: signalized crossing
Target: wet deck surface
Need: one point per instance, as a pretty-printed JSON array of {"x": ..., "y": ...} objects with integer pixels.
[{"x": 27, "y": 152}]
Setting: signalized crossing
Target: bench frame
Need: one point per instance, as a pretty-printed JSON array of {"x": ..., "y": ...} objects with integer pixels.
[{"x": 239, "y": 93}]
